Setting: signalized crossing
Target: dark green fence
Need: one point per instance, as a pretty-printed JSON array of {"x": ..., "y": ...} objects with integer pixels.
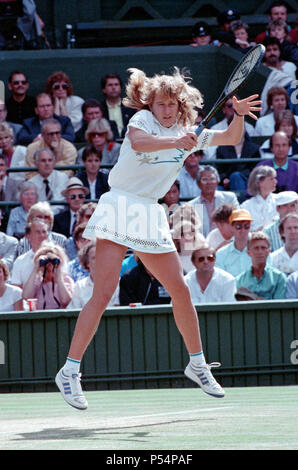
[{"x": 141, "y": 347}]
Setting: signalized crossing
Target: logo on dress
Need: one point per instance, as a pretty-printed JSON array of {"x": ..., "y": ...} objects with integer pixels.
[{"x": 152, "y": 159}]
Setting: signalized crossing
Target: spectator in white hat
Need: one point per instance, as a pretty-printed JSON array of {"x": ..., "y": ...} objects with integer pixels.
[{"x": 286, "y": 202}]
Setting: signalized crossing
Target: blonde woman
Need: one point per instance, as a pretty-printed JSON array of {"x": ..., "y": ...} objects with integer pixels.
[
  {"x": 159, "y": 138},
  {"x": 99, "y": 134}
]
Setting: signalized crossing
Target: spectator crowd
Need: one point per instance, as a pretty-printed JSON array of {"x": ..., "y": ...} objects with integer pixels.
[{"x": 235, "y": 225}]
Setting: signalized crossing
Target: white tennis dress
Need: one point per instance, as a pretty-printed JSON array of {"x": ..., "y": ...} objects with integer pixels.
[{"x": 129, "y": 213}]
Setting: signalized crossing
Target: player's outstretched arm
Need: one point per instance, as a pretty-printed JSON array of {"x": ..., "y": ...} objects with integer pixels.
[{"x": 232, "y": 135}]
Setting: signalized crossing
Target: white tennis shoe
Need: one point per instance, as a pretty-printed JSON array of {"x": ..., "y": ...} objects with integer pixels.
[
  {"x": 71, "y": 390},
  {"x": 205, "y": 380}
]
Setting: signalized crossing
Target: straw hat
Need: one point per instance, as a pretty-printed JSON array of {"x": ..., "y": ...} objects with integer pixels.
[{"x": 74, "y": 183}]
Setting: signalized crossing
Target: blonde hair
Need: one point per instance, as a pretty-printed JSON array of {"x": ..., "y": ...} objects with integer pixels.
[
  {"x": 5, "y": 128},
  {"x": 141, "y": 91},
  {"x": 99, "y": 125},
  {"x": 41, "y": 207}
]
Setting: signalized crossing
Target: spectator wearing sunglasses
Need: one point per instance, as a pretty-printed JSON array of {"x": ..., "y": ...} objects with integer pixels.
[
  {"x": 60, "y": 88},
  {"x": 64, "y": 152},
  {"x": 75, "y": 195},
  {"x": 91, "y": 109},
  {"x": 19, "y": 105},
  {"x": 208, "y": 283},
  {"x": 233, "y": 257},
  {"x": 100, "y": 135},
  {"x": 44, "y": 109}
]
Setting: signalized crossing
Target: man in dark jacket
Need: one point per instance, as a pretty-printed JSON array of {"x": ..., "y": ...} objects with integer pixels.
[
  {"x": 92, "y": 177},
  {"x": 138, "y": 285},
  {"x": 234, "y": 176},
  {"x": 112, "y": 107},
  {"x": 44, "y": 109}
]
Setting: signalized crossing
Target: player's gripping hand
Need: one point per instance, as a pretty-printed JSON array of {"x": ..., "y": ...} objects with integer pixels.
[{"x": 187, "y": 141}]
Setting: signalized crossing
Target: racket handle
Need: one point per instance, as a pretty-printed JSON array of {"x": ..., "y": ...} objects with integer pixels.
[{"x": 200, "y": 128}]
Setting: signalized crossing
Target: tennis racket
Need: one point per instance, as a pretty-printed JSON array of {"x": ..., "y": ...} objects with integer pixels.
[{"x": 247, "y": 65}]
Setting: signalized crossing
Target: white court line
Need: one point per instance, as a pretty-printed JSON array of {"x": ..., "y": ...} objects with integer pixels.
[{"x": 178, "y": 412}]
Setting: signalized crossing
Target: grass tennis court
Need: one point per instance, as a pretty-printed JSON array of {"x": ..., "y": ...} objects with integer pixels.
[{"x": 160, "y": 419}]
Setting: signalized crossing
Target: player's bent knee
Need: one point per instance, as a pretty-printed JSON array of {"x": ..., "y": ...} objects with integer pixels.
[{"x": 180, "y": 291}]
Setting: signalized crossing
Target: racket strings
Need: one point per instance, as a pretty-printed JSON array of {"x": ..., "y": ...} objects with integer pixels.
[{"x": 244, "y": 69}]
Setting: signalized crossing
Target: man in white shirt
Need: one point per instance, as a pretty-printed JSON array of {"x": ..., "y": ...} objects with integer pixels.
[
  {"x": 50, "y": 182},
  {"x": 286, "y": 258},
  {"x": 206, "y": 282},
  {"x": 36, "y": 232},
  {"x": 188, "y": 176},
  {"x": 113, "y": 108}
]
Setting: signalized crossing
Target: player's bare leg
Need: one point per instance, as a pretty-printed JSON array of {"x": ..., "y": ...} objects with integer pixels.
[
  {"x": 166, "y": 267},
  {"x": 109, "y": 257}
]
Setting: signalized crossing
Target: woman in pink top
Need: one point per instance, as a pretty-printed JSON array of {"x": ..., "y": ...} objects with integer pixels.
[{"x": 48, "y": 282}]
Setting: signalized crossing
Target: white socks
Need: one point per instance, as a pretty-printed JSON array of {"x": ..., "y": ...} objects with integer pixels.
[
  {"x": 197, "y": 360},
  {"x": 71, "y": 366}
]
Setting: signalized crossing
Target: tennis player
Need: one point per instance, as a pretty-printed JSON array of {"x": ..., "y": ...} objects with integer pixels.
[{"x": 159, "y": 138}]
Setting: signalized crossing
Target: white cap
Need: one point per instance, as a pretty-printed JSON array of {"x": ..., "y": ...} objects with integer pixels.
[{"x": 285, "y": 197}]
